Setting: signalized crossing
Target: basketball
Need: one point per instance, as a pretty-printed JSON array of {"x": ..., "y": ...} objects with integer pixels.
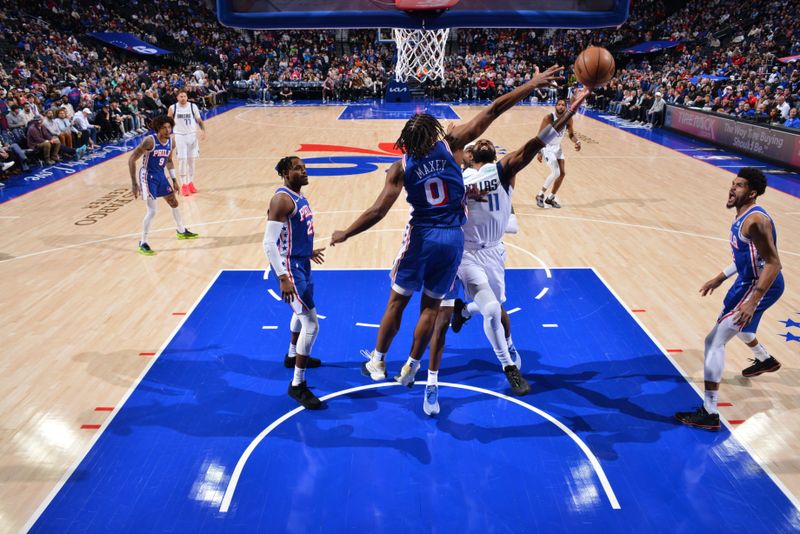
[{"x": 594, "y": 66}]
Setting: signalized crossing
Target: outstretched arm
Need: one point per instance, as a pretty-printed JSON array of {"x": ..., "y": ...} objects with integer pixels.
[
  {"x": 463, "y": 134},
  {"x": 379, "y": 209},
  {"x": 516, "y": 161}
]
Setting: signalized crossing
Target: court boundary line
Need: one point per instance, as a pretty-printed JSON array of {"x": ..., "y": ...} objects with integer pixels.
[
  {"x": 119, "y": 405},
  {"x": 237, "y": 472},
  {"x": 780, "y": 485}
]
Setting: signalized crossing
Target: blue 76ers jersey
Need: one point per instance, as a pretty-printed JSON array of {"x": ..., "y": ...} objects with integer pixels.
[
  {"x": 435, "y": 188},
  {"x": 297, "y": 236},
  {"x": 156, "y": 160},
  {"x": 749, "y": 262}
]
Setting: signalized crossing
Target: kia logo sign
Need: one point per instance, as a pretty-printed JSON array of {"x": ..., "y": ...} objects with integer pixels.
[{"x": 398, "y": 89}]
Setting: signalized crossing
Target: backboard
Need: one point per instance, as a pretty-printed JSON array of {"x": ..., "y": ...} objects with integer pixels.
[{"x": 421, "y": 14}]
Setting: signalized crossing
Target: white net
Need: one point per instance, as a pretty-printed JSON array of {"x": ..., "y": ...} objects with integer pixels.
[{"x": 420, "y": 54}]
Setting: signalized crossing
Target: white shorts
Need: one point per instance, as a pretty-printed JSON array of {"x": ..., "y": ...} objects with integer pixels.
[
  {"x": 484, "y": 266},
  {"x": 186, "y": 146},
  {"x": 551, "y": 157}
]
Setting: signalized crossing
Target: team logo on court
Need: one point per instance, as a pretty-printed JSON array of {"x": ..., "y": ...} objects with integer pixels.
[{"x": 364, "y": 161}]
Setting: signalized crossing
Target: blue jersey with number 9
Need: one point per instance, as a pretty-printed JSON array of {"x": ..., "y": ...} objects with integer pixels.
[
  {"x": 156, "y": 159},
  {"x": 435, "y": 188}
]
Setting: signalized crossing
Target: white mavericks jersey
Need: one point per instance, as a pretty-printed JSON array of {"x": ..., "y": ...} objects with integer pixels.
[
  {"x": 486, "y": 221},
  {"x": 185, "y": 118},
  {"x": 555, "y": 144}
]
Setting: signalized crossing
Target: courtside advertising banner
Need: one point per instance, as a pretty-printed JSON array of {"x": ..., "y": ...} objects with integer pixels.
[{"x": 774, "y": 144}]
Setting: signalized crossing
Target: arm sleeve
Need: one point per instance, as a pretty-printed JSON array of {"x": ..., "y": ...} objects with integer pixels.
[{"x": 271, "y": 236}]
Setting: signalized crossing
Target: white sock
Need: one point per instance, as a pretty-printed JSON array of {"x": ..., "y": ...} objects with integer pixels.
[
  {"x": 760, "y": 352},
  {"x": 299, "y": 376},
  {"x": 710, "y": 401},
  {"x": 433, "y": 377},
  {"x": 292, "y": 350},
  {"x": 176, "y": 214},
  {"x": 414, "y": 364},
  {"x": 378, "y": 356}
]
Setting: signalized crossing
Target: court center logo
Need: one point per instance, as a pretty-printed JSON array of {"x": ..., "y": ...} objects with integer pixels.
[{"x": 363, "y": 161}]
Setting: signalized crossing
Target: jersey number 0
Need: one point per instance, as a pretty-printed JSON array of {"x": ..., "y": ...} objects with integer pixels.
[{"x": 436, "y": 191}]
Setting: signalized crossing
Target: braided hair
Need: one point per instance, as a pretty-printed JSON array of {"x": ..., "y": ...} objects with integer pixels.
[
  {"x": 420, "y": 133},
  {"x": 284, "y": 165}
]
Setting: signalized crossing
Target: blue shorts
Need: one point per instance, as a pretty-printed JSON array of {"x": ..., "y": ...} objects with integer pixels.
[
  {"x": 428, "y": 260},
  {"x": 154, "y": 185},
  {"x": 300, "y": 275},
  {"x": 741, "y": 291},
  {"x": 457, "y": 292}
]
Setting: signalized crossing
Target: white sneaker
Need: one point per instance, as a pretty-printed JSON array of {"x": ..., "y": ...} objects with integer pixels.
[
  {"x": 7, "y": 165},
  {"x": 406, "y": 376},
  {"x": 374, "y": 368},
  {"x": 430, "y": 402}
]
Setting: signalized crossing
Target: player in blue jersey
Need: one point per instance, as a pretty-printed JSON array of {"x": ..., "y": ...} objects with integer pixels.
[
  {"x": 758, "y": 285},
  {"x": 289, "y": 246},
  {"x": 430, "y": 172},
  {"x": 155, "y": 152}
]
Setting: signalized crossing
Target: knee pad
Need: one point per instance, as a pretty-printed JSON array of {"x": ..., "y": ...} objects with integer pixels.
[
  {"x": 747, "y": 337},
  {"x": 295, "y": 325},
  {"x": 308, "y": 332}
]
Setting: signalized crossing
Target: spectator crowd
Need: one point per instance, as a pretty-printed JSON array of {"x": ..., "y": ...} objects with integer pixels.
[{"x": 62, "y": 93}]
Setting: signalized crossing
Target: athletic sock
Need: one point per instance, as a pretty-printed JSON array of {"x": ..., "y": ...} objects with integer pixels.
[
  {"x": 710, "y": 402},
  {"x": 299, "y": 376},
  {"x": 433, "y": 377}
]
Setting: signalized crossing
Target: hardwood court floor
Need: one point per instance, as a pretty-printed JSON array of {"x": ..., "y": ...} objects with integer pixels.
[{"x": 80, "y": 306}]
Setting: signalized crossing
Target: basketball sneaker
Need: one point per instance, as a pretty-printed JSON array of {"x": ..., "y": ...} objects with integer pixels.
[
  {"x": 373, "y": 368},
  {"x": 186, "y": 234},
  {"x": 145, "y": 249},
  {"x": 552, "y": 201},
  {"x": 185, "y": 191},
  {"x": 700, "y": 419},
  {"x": 458, "y": 319},
  {"x": 517, "y": 359},
  {"x": 540, "y": 200},
  {"x": 406, "y": 376},
  {"x": 770, "y": 365},
  {"x": 303, "y": 395},
  {"x": 518, "y": 383},
  {"x": 311, "y": 362},
  {"x": 430, "y": 402},
  {"x": 192, "y": 188}
]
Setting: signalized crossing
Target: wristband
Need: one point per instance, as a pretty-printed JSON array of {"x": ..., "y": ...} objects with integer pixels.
[
  {"x": 730, "y": 270},
  {"x": 171, "y": 173}
]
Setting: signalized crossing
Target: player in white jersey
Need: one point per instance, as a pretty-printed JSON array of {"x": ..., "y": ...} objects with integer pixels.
[
  {"x": 554, "y": 156},
  {"x": 482, "y": 268},
  {"x": 187, "y": 119}
]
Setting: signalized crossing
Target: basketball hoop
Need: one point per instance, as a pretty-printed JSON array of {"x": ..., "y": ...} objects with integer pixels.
[{"x": 420, "y": 54}]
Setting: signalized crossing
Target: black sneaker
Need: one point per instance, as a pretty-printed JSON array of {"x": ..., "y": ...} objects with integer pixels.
[
  {"x": 303, "y": 395},
  {"x": 700, "y": 419},
  {"x": 458, "y": 319},
  {"x": 145, "y": 249},
  {"x": 519, "y": 385},
  {"x": 186, "y": 234},
  {"x": 540, "y": 200},
  {"x": 552, "y": 201},
  {"x": 311, "y": 362},
  {"x": 770, "y": 365}
]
